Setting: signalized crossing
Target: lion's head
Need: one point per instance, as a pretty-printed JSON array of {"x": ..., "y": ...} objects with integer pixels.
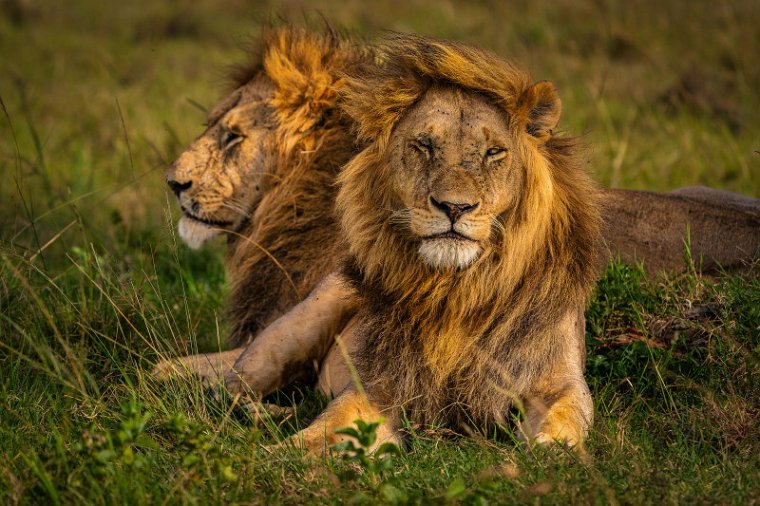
[
  {"x": 460, "y": 169},
  {"x": 463, "y": 163},
  {"x": 218, "y": 179},
  {"x": 283, "y": 103}
]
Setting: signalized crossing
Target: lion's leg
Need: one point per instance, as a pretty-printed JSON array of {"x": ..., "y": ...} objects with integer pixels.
[
  {"x": 209, "y": 366},
  {"x": 343, "y": 411},
  {"x": 335, "y": 370},
  {"x": 299, "y": 339},
  {"x": 565, "y": 419},
  {"x": 560, "y": 408}
]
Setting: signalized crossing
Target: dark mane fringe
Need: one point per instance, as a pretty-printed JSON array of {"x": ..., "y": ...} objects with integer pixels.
[{"x": 241, "y": 73}]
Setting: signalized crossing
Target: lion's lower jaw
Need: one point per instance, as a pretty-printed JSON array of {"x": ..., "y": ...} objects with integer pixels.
[
  {"x": 449, "y": 254},
  {"x": 195, "y": 233}
]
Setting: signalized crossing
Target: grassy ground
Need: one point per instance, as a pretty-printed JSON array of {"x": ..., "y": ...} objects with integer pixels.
[{"x": 96, "y": 99}]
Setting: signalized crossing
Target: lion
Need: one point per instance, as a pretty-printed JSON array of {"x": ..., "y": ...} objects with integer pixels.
[
  {"x": 473, "y": 239},
  {"x": 263, "y": 174},
  {"x": 271, "y": 153}
]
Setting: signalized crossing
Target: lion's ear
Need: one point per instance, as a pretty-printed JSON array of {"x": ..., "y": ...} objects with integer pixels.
[{"x": 540, "y": 108}]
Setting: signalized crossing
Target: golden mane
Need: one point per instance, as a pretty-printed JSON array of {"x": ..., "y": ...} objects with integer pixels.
[
  {"x": 307, "y": 68},
  {"x": 273, "y": 263},
  {"x": 379, "y": 98},
  {"x": 426, "y": 326}
]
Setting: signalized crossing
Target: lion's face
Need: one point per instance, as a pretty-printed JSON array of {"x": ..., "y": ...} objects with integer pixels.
[
  {"x": 219, "y": 179},
  {"x": 456, "y": 173}
]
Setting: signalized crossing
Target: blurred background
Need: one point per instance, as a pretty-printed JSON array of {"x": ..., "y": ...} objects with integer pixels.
[{"x": 98, "y": 97}]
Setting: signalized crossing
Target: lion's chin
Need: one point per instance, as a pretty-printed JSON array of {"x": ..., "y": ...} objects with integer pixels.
[
  {"x": 449, "y": 253},
  {"x": 194, "y": 233}
]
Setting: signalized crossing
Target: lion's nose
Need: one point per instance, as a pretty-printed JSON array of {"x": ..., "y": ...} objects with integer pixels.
[
  {"x": 178, "y": 187},
  {"x": 453, "y": 210}
]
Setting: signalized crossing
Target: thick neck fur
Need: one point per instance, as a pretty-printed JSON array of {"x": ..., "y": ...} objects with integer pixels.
[{"x": 286, "y": 248}]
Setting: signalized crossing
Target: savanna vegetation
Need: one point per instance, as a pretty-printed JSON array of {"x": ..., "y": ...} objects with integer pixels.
[{"x": 98, "y": 97}]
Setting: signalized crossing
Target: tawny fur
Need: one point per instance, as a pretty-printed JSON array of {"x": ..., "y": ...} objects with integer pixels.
[{"x": 312, "y": 143}]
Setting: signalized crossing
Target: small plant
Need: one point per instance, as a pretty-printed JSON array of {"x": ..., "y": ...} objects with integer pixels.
[
  {"x": 107, "y": 449},
  {"x": 374, "y": 470},
  {"x": 375, "y": 467},
  {"x": 198, "y": 448}
]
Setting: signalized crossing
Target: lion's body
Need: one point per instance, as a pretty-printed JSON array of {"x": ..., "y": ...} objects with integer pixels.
[
  {"x": 721, "y": 228},
  {"x": 460, "y": 347}
]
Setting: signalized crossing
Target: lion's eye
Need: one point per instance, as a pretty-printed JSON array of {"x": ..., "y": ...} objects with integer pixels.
[
  {"x": 229, "y": 138},
  {"x": 496, "y": 153},
  {"x": 424, "y": 144}
]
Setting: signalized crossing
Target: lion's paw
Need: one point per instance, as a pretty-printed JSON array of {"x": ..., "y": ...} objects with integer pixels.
[{"x": 559, "y": 437}]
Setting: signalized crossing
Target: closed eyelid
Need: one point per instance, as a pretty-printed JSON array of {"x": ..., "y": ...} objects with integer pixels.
[
  {"x": 425, "y": 139},
  {"x": 221, "y": 111}
]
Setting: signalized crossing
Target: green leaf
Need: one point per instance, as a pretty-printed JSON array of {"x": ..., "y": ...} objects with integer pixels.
[
  {"x": 367, "y": 440},
  {"x": 105, "y": 456},
  {"x": 128, "y": 455},
  {"x": 393, "y": 494},
  {"x": 146, "y": 441},
  {"x": 456, "y": 489},
  {"x": 345, "y": 446},
  {"x": 190, "y": 460},
  {"x": 228, "y": 474},
  {"x": 387, "y": 449},
  {"x": 349, "y": 431}
]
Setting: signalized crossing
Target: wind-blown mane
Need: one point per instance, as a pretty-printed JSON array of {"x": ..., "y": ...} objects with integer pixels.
[
  {"x": 473, "y": 337},
  {"x": 286, "y": 247}
]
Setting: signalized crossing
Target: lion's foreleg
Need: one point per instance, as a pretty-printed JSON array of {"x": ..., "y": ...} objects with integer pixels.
[
  {"x": 297, "y": 340},
  {"x": 565, "y": 419},
  {"x": 343, "y": 411},
  {"x": 337, "y": 370},
  {"x": 560, "y": 408},
  {"x": 211, "y": 367}
]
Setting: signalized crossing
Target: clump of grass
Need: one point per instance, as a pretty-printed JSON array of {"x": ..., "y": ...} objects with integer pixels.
[{"x": 672, "y": 382}]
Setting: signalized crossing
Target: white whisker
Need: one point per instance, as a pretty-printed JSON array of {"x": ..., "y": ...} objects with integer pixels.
[
  {"x": 498, "y": 227},
  {"x": 236, "y": 207},
  {"x": 401, "y": 217}
]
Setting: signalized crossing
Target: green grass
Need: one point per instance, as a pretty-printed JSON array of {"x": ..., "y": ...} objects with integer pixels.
[{"x": 93, "y": 283}]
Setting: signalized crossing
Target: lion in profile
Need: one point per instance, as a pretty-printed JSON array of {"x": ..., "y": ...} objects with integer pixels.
[
  {"x": 263, "y": 174},
  {"x": 474, "y": 237}
]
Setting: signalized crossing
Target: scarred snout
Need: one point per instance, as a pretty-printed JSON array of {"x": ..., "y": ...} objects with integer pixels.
[{"x": 453, "y": 210}]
